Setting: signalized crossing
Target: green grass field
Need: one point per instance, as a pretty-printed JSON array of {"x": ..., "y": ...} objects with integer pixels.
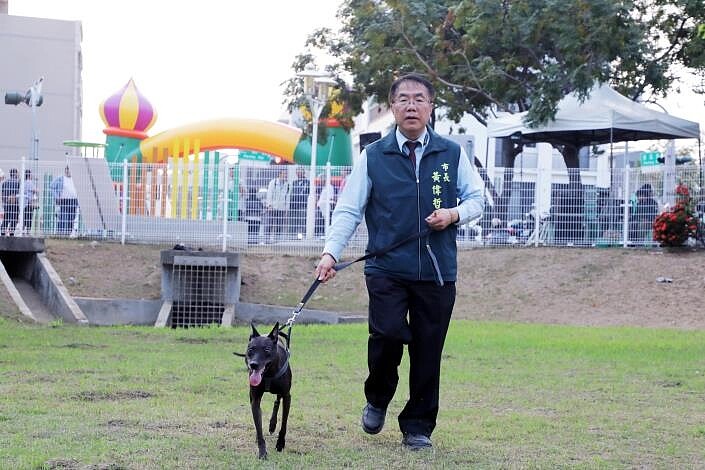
[{"x": 512, "y": 396}]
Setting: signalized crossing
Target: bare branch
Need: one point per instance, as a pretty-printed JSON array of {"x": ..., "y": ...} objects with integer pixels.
[{"x": 434, "y": 72}]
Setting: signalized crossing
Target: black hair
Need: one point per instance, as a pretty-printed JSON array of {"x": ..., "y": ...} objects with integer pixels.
[
  {"x": 645, "y": 191},
  {"x": 413, "y": 77}
]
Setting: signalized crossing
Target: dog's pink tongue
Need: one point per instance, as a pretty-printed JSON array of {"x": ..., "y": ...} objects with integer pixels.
[{"x": 255, "y": 377}]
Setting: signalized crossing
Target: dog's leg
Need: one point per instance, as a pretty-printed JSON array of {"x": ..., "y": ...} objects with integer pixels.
[
  {"x": 281, "y": 440},
  {"x": 255, "y": 403},
  {"x": 275, "y": 410}
]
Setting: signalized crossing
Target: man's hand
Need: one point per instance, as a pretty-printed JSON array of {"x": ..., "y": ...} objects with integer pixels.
[
  {"x": 441, "y": 218},
  {"x": 324, "y": 270}
]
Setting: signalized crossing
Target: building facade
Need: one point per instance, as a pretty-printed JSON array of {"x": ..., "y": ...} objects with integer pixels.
[{"x": 31, "y": 48}]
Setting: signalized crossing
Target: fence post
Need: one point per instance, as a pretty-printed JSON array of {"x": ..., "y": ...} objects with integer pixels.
[
  {"x": 625, "y": 211},
  {"x": 20, "y": 216},
  {"x": 537, "y": 205},
  {"x": 225, "y": 205},
  {"x": 205, "y": 215},
  {"x": 216, "y": 179},
  {"x": 124, "y": 201}
]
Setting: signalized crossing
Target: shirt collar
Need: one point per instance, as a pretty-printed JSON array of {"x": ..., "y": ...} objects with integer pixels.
[{"x": 401, "y": 139}]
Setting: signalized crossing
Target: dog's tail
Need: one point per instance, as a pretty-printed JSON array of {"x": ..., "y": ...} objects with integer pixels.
[{"x": 240, "y": 354}]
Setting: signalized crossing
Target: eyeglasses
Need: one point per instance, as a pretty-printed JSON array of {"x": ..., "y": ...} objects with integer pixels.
[{"x": 404, "y": 101}]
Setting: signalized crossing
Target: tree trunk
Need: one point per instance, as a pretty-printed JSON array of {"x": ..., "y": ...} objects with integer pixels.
[
  {"x": 569, "y": 201},
  {"x": 510, "y": 150}
]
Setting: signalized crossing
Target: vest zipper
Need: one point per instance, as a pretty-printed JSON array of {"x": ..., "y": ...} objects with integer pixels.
[{"x": 418, "y": 212}]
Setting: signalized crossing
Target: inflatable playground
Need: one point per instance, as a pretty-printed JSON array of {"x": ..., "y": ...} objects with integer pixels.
[{"x": 179, "y": 170}]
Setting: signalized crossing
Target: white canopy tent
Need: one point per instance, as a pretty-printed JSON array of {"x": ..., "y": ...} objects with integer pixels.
[{"x": 604, "y": 117}]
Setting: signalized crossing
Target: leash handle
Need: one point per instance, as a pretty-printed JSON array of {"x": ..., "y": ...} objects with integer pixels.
[
  {"x": 295, "y": 313},
  {"x": 308, "y": 295}
]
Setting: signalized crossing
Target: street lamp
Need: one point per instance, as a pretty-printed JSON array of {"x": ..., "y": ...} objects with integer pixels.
[
  {"x": 317, "y": 86},
  {"x": 32, "y": 98}
]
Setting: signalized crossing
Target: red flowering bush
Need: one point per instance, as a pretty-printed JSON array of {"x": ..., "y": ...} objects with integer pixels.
[{"x": 674, "y": 226}]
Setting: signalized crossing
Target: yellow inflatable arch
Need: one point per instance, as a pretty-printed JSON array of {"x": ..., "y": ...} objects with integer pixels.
[{"x": 268, "y": 137}]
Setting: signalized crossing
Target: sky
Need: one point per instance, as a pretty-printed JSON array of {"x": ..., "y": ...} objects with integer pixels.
[
  {"x": 193, "y": 60},
  {"x": 208, "y": 59}
]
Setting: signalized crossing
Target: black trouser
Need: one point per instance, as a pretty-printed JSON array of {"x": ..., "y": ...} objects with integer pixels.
[
  {"x": 67, "y": 213},
  {"x": 9, "y": 223},
  {"x": 28, "y": 213},
  {"x": 275, "y": 220},
  {"x": 429, "y": 307},
  {"x": 297, "y": 218}
]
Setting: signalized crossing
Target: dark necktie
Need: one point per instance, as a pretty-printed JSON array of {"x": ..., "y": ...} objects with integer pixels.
[{"x": 411, "y": 146}]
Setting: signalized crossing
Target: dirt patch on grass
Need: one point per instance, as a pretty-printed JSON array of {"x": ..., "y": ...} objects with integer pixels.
[
  {"x": 544, "y": 285},
  {"x": 73, "y": 464},
  {"x": 113, "y": 396}
]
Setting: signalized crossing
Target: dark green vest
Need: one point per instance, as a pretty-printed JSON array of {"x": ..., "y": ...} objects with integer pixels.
[{"x": 398, "y": 205}]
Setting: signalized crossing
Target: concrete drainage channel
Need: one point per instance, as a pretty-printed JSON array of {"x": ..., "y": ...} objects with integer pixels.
[{"x": 198, "y": 288}]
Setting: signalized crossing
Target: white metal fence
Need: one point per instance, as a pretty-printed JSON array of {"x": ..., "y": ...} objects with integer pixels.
[{"x": 215, "y": 205}]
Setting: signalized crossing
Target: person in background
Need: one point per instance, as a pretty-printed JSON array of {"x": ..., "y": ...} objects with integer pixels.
[
  {"x": 2, "y": 210},
  {"x": 276, "y": 204},
  {"x": 30, "y": 200},
  {"x": 10, "y": 191},
  {"x": 297, "y": 203},
  {"x": 66, "y": 200},
  {"x": 643, "y": 214},
  {"x": 325, "y": 206},
  {"x": 409, "y": 180}
]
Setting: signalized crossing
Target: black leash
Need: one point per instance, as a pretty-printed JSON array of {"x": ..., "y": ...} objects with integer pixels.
[{"x": 341, "y": 266}]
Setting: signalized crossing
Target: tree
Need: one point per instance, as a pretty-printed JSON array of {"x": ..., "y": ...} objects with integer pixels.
[{"x": 515, "y": 55}]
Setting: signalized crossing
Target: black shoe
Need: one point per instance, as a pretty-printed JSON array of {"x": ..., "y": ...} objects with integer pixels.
[
  {"x": 373, "y": 419},
  {"x": 416, "y": 441}
]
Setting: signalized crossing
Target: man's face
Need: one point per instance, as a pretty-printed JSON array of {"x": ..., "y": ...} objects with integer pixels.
[{"x": 411, "y": 107}]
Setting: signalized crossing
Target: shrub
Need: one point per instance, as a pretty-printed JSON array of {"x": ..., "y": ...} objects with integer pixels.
[{"x": 674, "y": 226}]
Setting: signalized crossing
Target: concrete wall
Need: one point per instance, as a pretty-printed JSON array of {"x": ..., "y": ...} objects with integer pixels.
[
  {"x": 106, "y": 312},
  {"x": 270, "y": 314},
  {"x": 29, "y": 49},
  {"x": 188, "y": 232},
  {"x": 51, "y": 289}
]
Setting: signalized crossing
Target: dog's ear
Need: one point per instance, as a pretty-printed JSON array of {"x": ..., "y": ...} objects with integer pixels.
[
  {"x": 274, "y": 334},
  {"x": 255, "y": 333}
]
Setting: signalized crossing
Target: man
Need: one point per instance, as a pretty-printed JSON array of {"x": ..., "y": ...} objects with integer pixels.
[
  {"x": 325, "y": 205},
  {"x": 411, "y": 289},
  {"x": 642, "y": 215},
  {"x": 11, "y": 203},
  {"x": 297, "y": 204},
  {"x": 30, "y": 200},
  {"x": 66, "y": 200},
  {"x": 275, "y": 205}
]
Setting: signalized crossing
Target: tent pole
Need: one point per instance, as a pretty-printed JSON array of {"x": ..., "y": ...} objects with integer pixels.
[
  {"x": 625, "y": 196},
  {"x": 700, "y": 168},
  {"x": 487, "y": 151},
  {"x": 611, "y": 158}
]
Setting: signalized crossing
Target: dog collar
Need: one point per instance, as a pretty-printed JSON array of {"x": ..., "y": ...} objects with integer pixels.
[{"x": 284, "y": 367}]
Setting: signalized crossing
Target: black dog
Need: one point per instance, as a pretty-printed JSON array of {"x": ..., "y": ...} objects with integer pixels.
[{"x": 267, "y": 360}]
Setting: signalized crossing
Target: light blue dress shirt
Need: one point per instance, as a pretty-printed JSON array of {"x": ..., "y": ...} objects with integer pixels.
[{"x": 352, "y": 202}]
